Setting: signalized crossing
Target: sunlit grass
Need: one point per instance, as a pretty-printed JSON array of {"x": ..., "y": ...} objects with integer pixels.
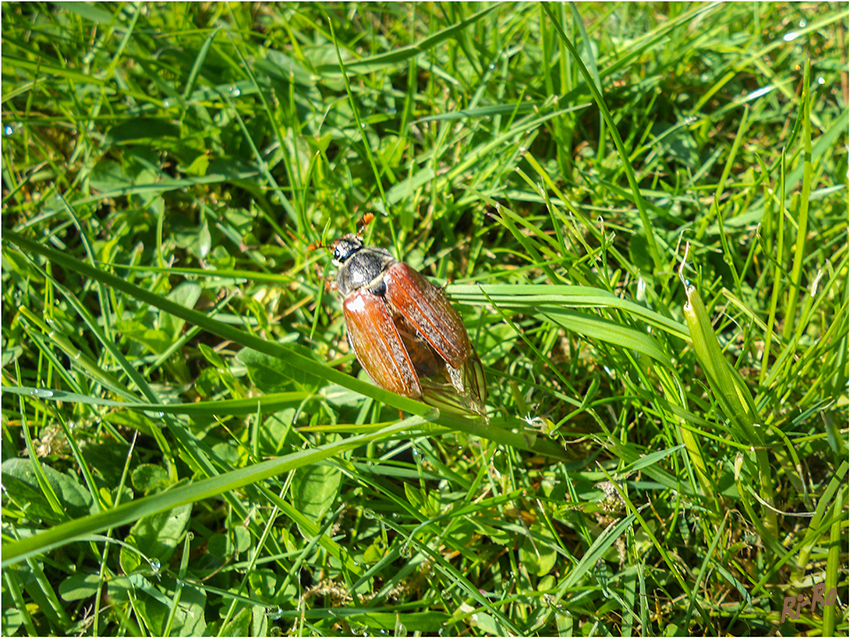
[{"x": 190, "y": 446}]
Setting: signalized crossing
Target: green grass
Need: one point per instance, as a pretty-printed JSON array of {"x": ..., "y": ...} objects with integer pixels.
[{"x": 641, "y": 211}]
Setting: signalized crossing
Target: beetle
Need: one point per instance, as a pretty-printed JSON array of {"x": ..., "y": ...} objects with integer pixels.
[{"x": 404, "y": 331}]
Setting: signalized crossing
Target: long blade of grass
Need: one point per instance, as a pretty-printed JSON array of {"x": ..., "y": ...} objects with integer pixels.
[
  {"x": 618, "y": 141},
  {"x": 402, "y": 54},
  {"x": 71, "y": 531}
]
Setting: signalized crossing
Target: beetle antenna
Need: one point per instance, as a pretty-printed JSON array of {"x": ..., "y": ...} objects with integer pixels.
[
  {"x": 365, "y": 221},
  {"x": 321, "y": 243}
]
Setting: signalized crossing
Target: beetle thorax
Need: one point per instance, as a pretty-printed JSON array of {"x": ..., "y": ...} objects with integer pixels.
[{"x": 364, "y": 268}]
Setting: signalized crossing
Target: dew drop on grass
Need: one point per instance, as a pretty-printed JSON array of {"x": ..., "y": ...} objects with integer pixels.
[
  {"x": 491, "y": 66},
  {"x": 155, "y": 565},
  {"x": 45, "y": 394},
  {"x": 8, "y": 130},
  {"x": 791, "y": 35},
  {"x": 821, "y": 80},
  {"x": 274, "y": 613},
  {"x": 802, "y": 24}
]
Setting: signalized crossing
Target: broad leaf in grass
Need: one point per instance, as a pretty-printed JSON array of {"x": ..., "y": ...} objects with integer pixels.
[
  {"x": 155, "y": 607},
  {"x": 149, "y": 477},
  {"x": 227, "y": 453},
  {"x": 156, "y": 537},
  {"x": 282, "y": 67},
  {"x": 79, "y": 586},
  {"x": 143, "y": 164},
  {"x": 392, "y": 150},
  {"x": 240, "y": 625},
  {"x": 675, "y": 142},
  {"x": 108, "y": 175},
  {"x": 122, "y": 588},
  {"x": 538, "y": 556},
  {"x": 414, "y": 496},
  {"x": 106, "y": 459},
  {"x": 12, "y": 620},
  {"x": 314, "y": 489},
  {"x": 241, "y": 539},
  {"x": 337, "y": 395},
  {"x": 189, "y": 618},
  {"x": 488, "y": 624},
  {"x": 494, "y": 534},
  {"x": 497, "y": 341},
  {"x": 187, "y": 295},
  {"x": 275, "y": 428},
  {"x": 198, "y": 166},
  {"x": 264, "y": 583},
  {"x": 224, "y": 546},
  {"x": 142, "y": 130},
  {"x": 374, "y": 552},
  {"x": 154, "y": 340},
  {"x": 260, "y": 621},
  {"x": 639, "y": 253},
  {"x": 22, "y": 488},
  {"x": 89, "y": 11},
  {"x": 273, "y": 374}
]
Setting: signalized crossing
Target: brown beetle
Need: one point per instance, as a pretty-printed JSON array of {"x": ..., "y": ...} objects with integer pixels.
[{"x": 404, "y": 331}]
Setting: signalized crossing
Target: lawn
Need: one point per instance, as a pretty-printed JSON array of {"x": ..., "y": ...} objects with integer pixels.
[{"x": 640, "y": 212}]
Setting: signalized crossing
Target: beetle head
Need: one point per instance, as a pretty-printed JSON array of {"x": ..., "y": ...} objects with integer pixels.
[{"x": 345, "y": 247}]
